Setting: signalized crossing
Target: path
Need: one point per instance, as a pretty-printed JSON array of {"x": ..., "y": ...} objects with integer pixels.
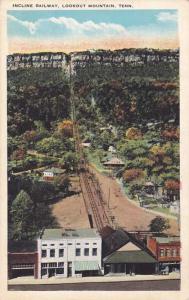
[{"x": 127, "y": 214}]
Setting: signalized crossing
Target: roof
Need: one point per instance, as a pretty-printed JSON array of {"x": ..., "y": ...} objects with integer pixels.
[
  {"x": 114, "y": 161},
  {"x": 54, "y": 170},
  {"x": 114, "y": 241},
  {"x": 162, "y": 240},
  {"x": 59, "y": 233},
  {"x": 130, "y": 257},
  {"x": 22, "y": 246},
  {"x": 149, "y": 183},
  {"x": 86, "y": 265}
]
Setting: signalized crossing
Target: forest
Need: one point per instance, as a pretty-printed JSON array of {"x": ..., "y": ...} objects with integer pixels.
[{"x": 134, "y": 109}]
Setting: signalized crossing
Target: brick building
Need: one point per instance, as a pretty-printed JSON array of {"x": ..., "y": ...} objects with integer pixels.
[
  {"x": 22, "y": 259},
  {"x": 166, "y": 251}
]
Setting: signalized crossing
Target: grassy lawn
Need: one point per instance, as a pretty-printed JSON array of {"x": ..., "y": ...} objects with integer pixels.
[
  {"x": 94, "y": 160},
  {"x": 164, "y": 210},
  {"x": 151, "y": 202}
]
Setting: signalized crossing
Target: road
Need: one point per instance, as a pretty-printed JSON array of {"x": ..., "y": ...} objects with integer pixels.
[{"x": 148, "y": 285}]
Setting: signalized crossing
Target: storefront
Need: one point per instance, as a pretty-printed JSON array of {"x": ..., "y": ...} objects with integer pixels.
[{"x": 130, "y": 263}]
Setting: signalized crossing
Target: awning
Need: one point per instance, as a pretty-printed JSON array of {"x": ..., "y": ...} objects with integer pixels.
[{"x": 86, "y": 265}]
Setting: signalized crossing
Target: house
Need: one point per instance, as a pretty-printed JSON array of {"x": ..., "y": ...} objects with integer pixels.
[
  {"x": 85, "y": 145},
  {"x": 22, "y": 258},
  {"x": 69, "y": 253},
  {"x": 125, "y": 255},
  {"x": 112, "y": 149},
  {"x": 166, "y": 251},
  {"x": 114, "y": 162},
  {"x": 174, "y": 207},
  {"x": 50, "y": 174}
]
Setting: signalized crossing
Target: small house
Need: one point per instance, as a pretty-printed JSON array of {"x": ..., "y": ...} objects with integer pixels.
[
  {"x": 174, "y": 207},
  {"x": 112, "y": 150},
  {"x": 50, "y": 174},
  {"x": 114, "y": 162}
]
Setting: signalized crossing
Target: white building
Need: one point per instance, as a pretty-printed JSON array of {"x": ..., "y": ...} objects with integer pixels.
[
  {"x": 49, "y": 174},
  {"x": 69, "y": 253},
  {"x": 174, "y": 207}
]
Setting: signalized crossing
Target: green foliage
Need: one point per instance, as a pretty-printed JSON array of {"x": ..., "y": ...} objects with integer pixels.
[
  {"x": 62, "y": 183},
  {"x": 159, "y": 224},
  {"x": 22, "y": 217},
  {"x": 36, "y": 95},
  {"x": 54, "y": 146},
  {"x": 70, "y": 161}
]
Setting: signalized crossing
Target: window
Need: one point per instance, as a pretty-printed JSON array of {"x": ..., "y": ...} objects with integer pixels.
[
  {"x": 60, "y": 271},
  {"x": 44, "y": 265},
  {"x": 44, "y": 253},
  {"x": 44, "y": 245},
  {"x": 77, "y": 251},
  {"x": 174, "y": 252},
  {"x": 61, "y": 252},
  {"x": 78, "y": 244},
  {"x": 94, "y": 251},
  {"x": 94, "y": 243},
  {"x": 52, "y": 244},
  {"x": 61, "y": 244},
  {"x": 61, "y": 264},
  {"x": 86, "y": 243},
  {"x": 23, "y": 266},
  {"x": 69, "y": 244},
  {"x": 178, "y": 251},
  {"x": 86, "y": 251},
  {"x": 161, "y": 252},
  {"x": 52, "y": 265},
  {"x": 43, "y": 272},
  {"x": 52, "y": 253},
  {"x": 167, "y": 252}
]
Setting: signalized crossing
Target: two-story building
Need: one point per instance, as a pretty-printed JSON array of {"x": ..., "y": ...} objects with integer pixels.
[
  {"x": 69, "y": 253},
  {"x": 166, "y": 251},
  {"x": 22, "y": 258}
]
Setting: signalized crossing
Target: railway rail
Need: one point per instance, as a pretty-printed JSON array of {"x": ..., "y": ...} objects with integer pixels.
[{"x": 95, "y": 204}]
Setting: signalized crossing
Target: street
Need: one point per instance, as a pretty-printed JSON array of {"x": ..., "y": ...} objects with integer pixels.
[{"x": 150, "y": 285}]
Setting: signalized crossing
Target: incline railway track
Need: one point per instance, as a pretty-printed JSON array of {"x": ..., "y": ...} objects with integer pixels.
[{"x": 96, "y": 207}]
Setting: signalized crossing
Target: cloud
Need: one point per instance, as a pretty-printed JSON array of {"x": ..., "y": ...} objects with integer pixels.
[
  {"x": 72, "y": 25},
  {"x": 31, "y": 26},
  {"x": 167, "y": 17}
]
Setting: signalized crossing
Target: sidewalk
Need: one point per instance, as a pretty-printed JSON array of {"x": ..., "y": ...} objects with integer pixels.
[{"x": 53, "y": 280}]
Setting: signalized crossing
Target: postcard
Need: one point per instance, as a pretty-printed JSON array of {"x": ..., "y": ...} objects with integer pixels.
[{"x": 94, "y": 132}]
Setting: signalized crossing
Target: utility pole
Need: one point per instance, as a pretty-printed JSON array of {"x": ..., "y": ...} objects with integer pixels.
[{"x": 109, "y": 198}]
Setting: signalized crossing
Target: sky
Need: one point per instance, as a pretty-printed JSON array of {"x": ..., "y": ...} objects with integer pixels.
[{"x": 78, "y": 30}]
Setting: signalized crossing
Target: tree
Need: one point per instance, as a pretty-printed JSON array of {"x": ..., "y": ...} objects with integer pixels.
[
  {"x": 41, "y": 191},
  {"x": 171, "y": 134},
  {"x": 133, "y": 133},
  {"x": 18, "y": 154},
  {"x": 62, "y": 182},
  {"x": 21, "y": 216},
  {"x": 173, "y": 185},
  {"x": 65, "y": 128},
  {"x": 133, "y": 174},
  {"x": 70, "y": 161},
  {"x": 159, "y": 224}
]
